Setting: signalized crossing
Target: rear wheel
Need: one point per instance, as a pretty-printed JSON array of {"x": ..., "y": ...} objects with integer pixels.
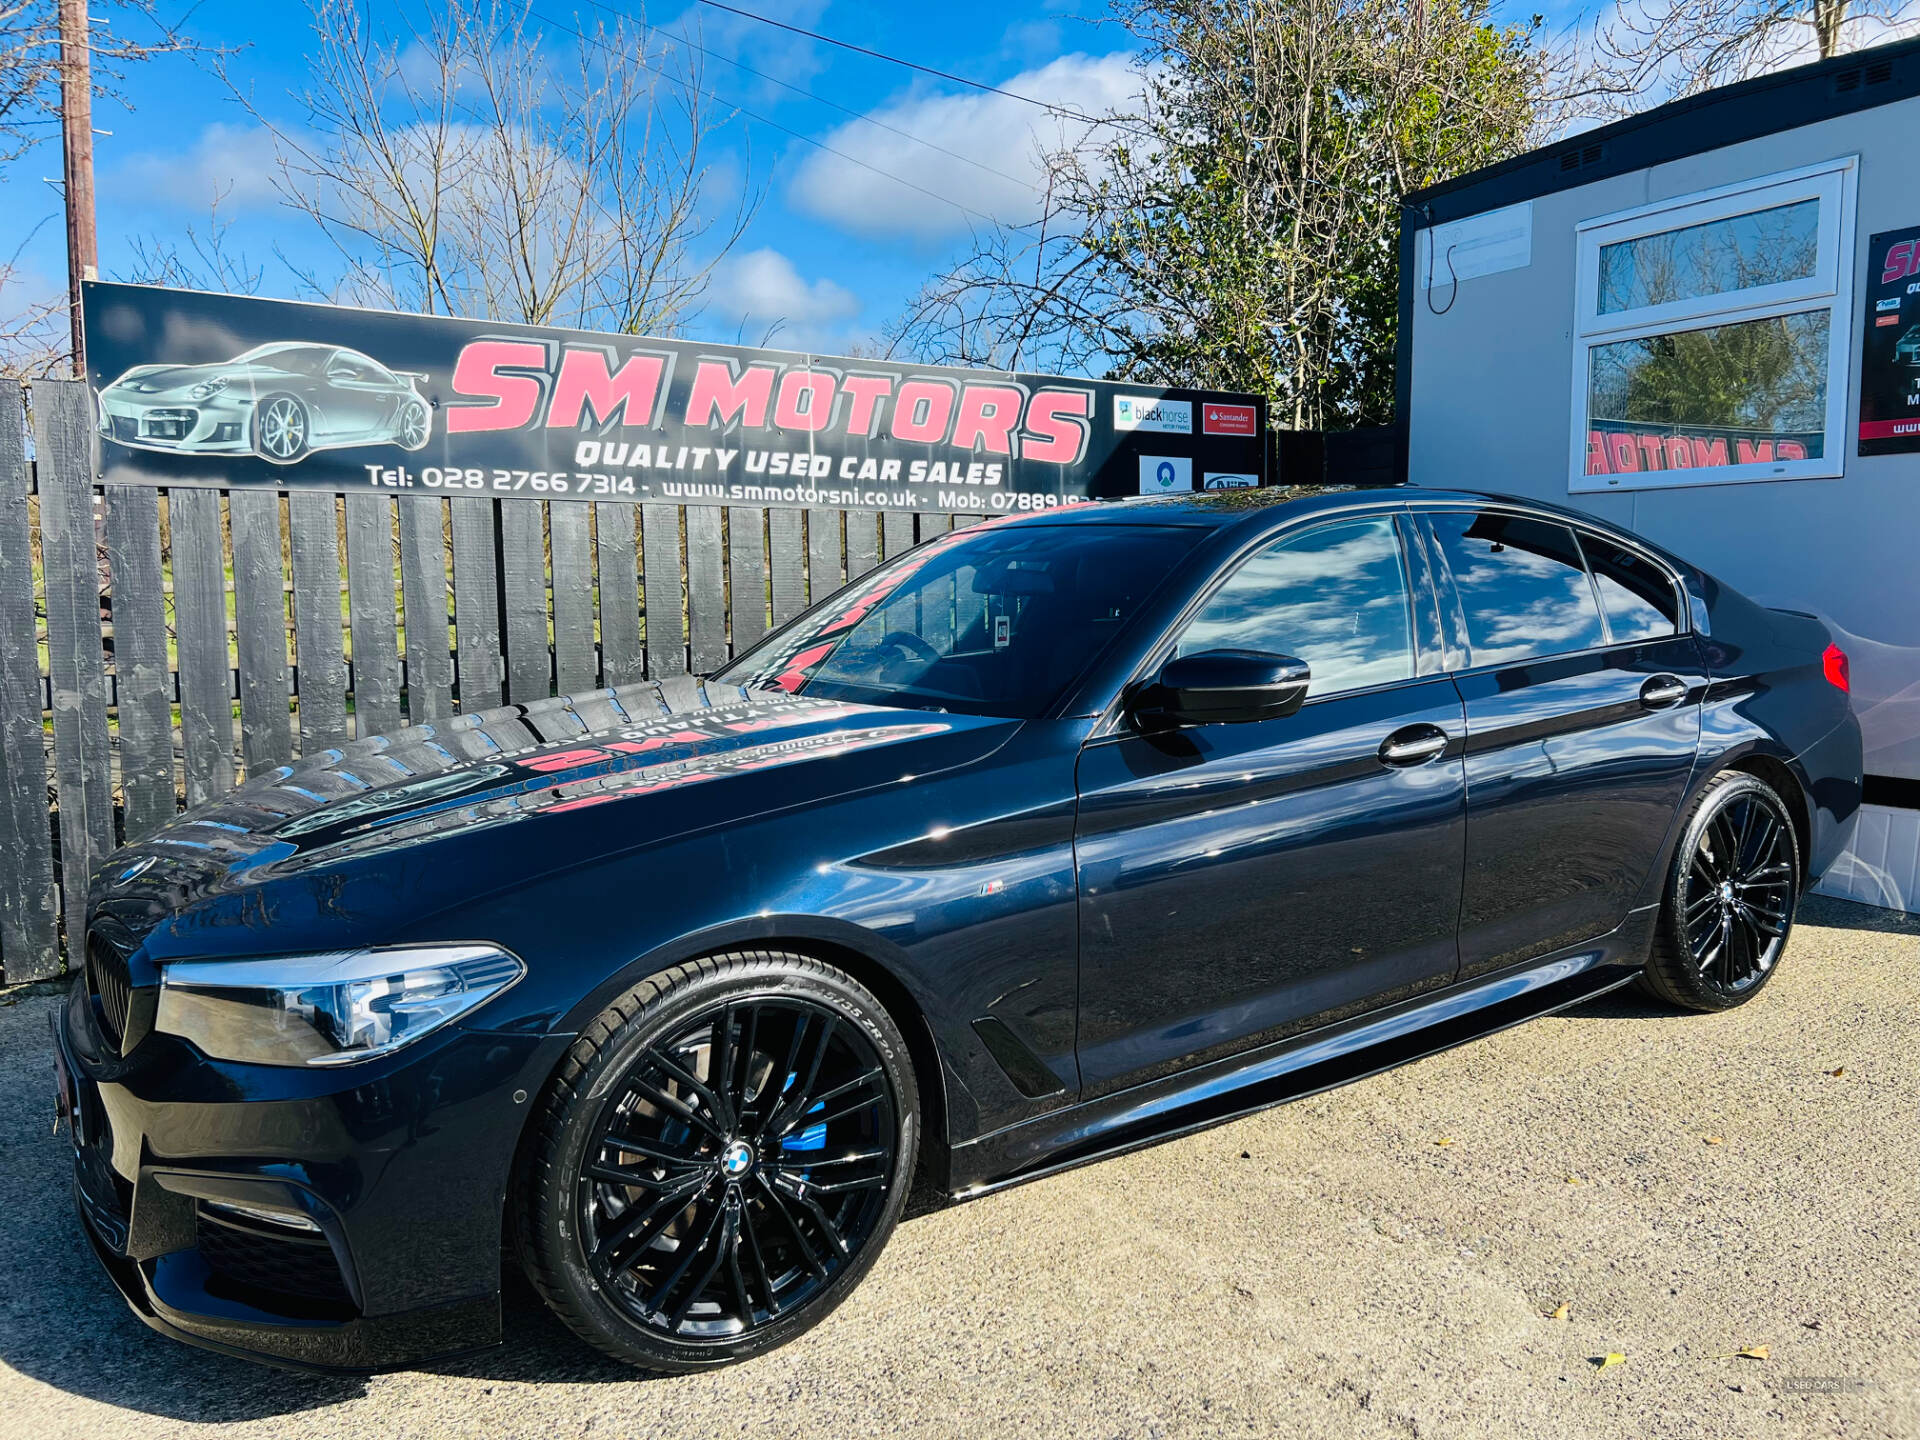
[
  {"x": 1731, "y": 896},
  {"x": 719, "y": 1161}
]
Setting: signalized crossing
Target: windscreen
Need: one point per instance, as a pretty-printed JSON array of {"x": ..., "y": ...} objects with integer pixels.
[{"x": 990, "y": 620}]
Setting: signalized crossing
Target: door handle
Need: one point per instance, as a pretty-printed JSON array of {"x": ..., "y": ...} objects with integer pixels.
[
  {"x": 1663, "y": 690},
  {"x": 1413, "y": 745}
]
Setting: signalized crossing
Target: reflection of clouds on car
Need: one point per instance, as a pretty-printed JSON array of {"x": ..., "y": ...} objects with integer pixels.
[
  {"x": 278, "y": 401},
  {"x": 1524, "y": 589},
  {"x": 1334, "y": 597}
]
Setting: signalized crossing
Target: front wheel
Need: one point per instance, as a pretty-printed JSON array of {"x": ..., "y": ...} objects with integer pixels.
[
  {"x": 719, "y": 1161},
  {"x": 280, "y": 426},
  {"x": 1731, "y": 896}
]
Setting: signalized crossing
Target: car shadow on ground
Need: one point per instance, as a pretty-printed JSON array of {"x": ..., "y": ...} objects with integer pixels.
[
  {"x": 539, "y": 1348},
  {"x": 1831, "y": 912}
]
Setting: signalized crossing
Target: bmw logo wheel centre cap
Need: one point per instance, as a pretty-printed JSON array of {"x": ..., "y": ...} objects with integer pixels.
[{"x": 736, "y": 1160}]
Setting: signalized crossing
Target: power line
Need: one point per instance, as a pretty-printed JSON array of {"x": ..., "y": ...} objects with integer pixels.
[
  {"x": 1068, "y": 111},
  {"x": 766, "y": 120},
  {"x": 693, "y": 44}
]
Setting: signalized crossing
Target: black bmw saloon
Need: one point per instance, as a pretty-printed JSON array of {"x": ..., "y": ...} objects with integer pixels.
[{"x": 1055, "y": 836}]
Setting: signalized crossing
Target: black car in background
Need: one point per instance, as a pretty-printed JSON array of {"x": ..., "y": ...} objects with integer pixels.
[{"x": 1053, "y": 837}]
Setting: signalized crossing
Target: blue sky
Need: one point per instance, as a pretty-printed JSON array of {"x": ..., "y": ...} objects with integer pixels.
[{"x": 835, "y": 250}]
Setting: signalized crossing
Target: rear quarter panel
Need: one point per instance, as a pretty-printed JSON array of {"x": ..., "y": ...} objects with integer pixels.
[{"x": 1769, "y": 696}]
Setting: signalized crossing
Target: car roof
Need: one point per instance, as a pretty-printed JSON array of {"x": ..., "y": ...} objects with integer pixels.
[
  {"x": 1270, "y": 506},
  {"x": 280, "y": 347},
  {"x": 1207, "y": 509}
]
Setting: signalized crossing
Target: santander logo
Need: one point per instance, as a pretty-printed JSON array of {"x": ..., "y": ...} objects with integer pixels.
[{"x": 1219, "y": 419}]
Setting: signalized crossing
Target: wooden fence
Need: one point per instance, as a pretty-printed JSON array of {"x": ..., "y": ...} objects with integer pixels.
[{"x": 156, "y": 645}]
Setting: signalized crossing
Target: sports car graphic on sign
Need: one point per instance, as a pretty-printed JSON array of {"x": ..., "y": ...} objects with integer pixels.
[{"x": 278, "y": 401}]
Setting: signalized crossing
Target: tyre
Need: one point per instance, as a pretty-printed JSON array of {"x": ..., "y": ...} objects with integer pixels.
[
  {"x": 1730, "y": 900},
  {"x": 280, "y": 429},
  {"x": 719, "y": 1160},
  {"x": 412, "y": 427}
]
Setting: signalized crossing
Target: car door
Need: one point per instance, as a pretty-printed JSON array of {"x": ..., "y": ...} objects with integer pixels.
[
  {"x": 357, "y": 399},
  {"x": 1242, "y": 882},
  {"x": 1582, "y": 690}
]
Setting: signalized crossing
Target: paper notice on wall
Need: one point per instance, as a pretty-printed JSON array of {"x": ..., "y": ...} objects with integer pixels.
[{"x": 1478, "y": 245}]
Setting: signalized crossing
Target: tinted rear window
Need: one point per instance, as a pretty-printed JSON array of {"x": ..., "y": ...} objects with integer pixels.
[
  {"x": 1637, "y": 595},
  {"x": 1523, "y": 589}
]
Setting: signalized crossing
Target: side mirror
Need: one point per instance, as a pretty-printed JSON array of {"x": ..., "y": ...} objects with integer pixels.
[{"x": 1218, "y": 687}]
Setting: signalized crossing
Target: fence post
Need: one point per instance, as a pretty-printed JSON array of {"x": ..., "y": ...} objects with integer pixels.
[
  {"x": 76, "y": 667},
  {"x": 29, "y": 938}
]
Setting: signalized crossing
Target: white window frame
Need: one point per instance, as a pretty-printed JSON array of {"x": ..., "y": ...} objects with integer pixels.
[{"x": 1834, "y": 184}]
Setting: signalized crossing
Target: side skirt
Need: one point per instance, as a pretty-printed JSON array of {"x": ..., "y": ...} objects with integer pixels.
[{"x": 1305, "y": 1065}]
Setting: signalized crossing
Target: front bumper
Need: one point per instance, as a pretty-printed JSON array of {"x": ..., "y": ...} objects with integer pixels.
[
  {"x": 395, "y": 1175},
  {"x": 219, "y": 425}
]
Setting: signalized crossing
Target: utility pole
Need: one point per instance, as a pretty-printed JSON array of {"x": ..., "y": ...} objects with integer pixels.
[{"x": 76, "y": 127}]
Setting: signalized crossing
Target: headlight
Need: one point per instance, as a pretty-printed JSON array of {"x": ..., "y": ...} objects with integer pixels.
[
  {"x": 328, "y": 1009},
  {"x": 207, "y": 389}
]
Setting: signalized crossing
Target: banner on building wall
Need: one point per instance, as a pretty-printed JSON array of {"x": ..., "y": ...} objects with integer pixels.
[
  {"x": 1890, "y": 345},
  {"x": 199, "y": 389}
]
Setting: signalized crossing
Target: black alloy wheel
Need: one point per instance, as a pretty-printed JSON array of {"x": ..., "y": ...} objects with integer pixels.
[
  {"x": 1731, "y": 897},
  {"x": 725, "y": 1163}
]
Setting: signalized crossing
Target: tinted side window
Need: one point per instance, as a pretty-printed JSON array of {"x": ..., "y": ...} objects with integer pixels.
[
  {"x": 1335, "y": 597},
  {"x": 1522, "y": 587},
  {"x": 1636, "y": 594}
]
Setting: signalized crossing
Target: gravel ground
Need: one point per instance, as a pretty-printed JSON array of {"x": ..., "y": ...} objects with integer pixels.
[{"x": 1385, "y": 1260}]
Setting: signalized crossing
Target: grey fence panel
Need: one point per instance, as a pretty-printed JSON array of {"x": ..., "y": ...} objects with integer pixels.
[
  {"x": 29, "y": 923},
  {"x": 200, "y": 638},
  {"x": 576, "y": 662},
  {"x": 747, "y": 575},
  {"x": 372, "y": 604},
  {"x": 896, "y": 532},
  {"x": 523, "y": 584},
  {"x": 476, "y": 603},
  {"x": 824, "y": 572},
  {"x": 260, "y": 620},
  {"x": 666, "y": 638},
  {"x": 693, "y": 587},
  {"x": 863, "y": 542},
  {"x": 313, "y": 524},
  {"x": 621, "y": 659},
  {"x": 143, "y": 676},
  {"x": 76, "y": 668},
  {"x": 423, "y": 594},
  {"x": 787, "y": 562},
  {"x": 706, "y": 590}
]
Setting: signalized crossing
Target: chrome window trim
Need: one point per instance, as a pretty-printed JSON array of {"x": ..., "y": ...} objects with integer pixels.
[{"x": 1441, "y": 506}]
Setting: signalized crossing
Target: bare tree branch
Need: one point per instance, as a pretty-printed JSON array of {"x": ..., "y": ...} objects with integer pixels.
[{"x": 464, "y": 167}]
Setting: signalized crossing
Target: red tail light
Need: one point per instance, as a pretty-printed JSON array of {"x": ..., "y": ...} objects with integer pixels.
[{"x": 1833, "y": 662}]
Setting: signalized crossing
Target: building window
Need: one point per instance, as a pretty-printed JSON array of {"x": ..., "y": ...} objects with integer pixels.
[{"x": 1712, "y": 334}]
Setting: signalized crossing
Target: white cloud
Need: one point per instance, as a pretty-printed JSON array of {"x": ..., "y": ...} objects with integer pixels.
[
  {"x": 759, "y": 297},
  {"x": 1001, "y": 138},
  {"x": 235, "y": 162},
  {"x": 781, "y": 54}
]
